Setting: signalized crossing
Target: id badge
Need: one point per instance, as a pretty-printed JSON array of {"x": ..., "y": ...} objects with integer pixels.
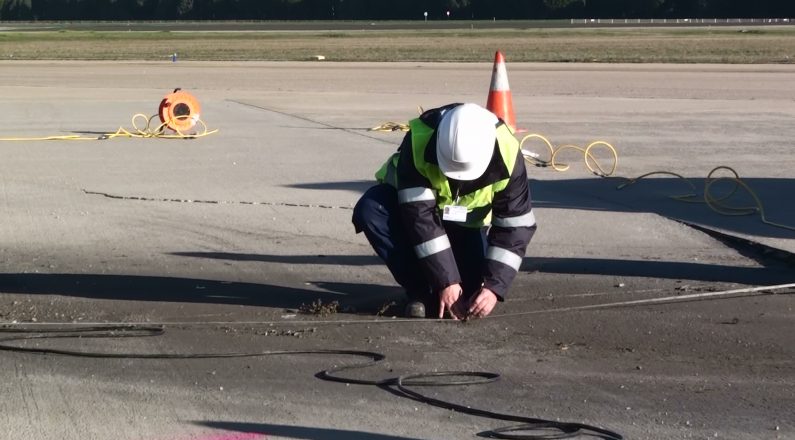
[{"x": 454, "y": 213}]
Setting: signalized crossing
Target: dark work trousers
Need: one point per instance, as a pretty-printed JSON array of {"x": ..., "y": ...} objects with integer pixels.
[{"x": 377, "y": 215}]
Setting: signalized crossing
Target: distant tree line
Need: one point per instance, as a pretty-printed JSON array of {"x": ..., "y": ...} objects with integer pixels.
[{"x": 387, "y": 9}]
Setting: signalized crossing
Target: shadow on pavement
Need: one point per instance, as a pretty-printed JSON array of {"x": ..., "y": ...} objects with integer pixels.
[
  {"x": 773, "y": 274},
  {"x": 661, "y": 269},
  {"x": 362, "y": 297},
  {"x": 654, "y": 195},
  {"x": 300, "y": 432},
  {"x": 336, "y": 260},
  {"x": 357, "y": 186}
]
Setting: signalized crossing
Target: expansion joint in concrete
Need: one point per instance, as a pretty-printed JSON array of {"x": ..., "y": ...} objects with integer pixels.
[{"x": 211, "y": 202}]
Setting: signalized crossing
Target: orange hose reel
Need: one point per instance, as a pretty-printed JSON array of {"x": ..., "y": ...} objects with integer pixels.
[{"x": 179, "y": 111}]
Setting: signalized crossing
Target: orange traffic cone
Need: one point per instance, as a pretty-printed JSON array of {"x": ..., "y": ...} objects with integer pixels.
[{"x": 500, "y": 102}]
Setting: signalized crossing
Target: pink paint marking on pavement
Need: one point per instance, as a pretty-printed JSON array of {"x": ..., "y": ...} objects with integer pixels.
[{"x": 238, "y": 436}]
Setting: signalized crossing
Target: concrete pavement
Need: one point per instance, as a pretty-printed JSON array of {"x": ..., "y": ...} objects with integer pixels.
[{"x": 292, "y": 138}]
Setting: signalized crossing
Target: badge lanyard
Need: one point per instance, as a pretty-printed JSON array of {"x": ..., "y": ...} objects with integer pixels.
[{"x": 455, "y": 212}]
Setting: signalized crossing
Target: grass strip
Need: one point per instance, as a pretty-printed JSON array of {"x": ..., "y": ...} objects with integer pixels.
[{"x": 626, "y": 45}]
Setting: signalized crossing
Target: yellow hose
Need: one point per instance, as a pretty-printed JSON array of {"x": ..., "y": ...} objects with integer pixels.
[
  {"x": 144, "y": 131},
  {"x": 717, "y": 204},
  {"x": 590, "y": 161},
  {"x": 390, "y": 126},
  {"x": 395, "y": 126}
]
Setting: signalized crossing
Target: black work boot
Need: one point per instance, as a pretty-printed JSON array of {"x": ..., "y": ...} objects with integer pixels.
[{"x": 415, "y": 309}]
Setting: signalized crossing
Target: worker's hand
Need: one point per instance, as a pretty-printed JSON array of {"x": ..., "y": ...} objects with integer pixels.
[
  {"x": 482, "y": 304},
  {"x": 449, "y": 299}
]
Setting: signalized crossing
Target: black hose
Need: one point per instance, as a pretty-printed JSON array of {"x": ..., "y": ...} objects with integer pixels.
[{"x": 532, "y": 428}]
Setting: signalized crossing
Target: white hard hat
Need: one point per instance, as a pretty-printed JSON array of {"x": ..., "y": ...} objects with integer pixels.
[{"x": 465, "y": 141}]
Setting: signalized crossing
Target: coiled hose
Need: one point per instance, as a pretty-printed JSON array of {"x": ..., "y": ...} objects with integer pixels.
[{"x": 718, "y": 204}]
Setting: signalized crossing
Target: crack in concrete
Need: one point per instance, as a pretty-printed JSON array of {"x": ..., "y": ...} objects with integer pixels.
[
  {"x": 356, "y": 131},
  {"x": 211, "y": 202}
]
